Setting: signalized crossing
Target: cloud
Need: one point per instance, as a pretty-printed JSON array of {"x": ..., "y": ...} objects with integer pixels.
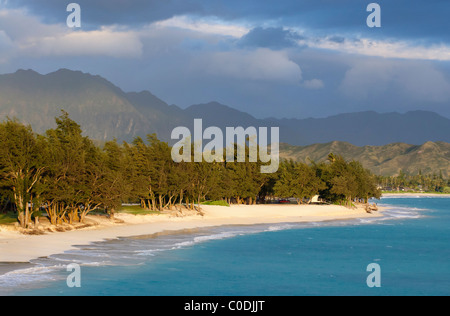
[
  {"x": 271, "y": 37},
  {"x": 337, "y": 39},
  {"x": 384, "y": 48},
  {"x": 402, "y": 19},
  {"x": 105, "y": 42},
  {"x": 97, "y": 13},
  {"x": 6, "y": 47},
  {"x": 261, "y": 64},
  {"x": 206, "y": 26},
  {"x": 378, "y": 79},
  {"x": 27, "y": 36},
  {"x": 19, "y": 25},
  {"x": 313, "y": 84},
  {"x": 322, "y": 27}
]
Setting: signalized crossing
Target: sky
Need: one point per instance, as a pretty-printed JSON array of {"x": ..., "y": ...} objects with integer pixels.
[{"x": 283, "y": 59}]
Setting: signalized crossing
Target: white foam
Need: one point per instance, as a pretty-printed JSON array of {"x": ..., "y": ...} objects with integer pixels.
[
  {"x": 21, "y": 277},
  {"x": 403, "y": 212},
  {"x": 275, "y": 228},
  {"x": 202, "y": 239},
  {"x": 191, "y": 241}
]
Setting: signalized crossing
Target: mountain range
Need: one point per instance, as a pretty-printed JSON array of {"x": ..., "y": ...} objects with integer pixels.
[{"x": 105, "y": 112}]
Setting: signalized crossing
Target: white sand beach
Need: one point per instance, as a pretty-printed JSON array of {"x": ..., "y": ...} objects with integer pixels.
[{"x": 16, "y": 247}]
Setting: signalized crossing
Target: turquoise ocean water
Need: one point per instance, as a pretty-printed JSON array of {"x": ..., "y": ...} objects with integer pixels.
[{"x": 411, "y": 245}]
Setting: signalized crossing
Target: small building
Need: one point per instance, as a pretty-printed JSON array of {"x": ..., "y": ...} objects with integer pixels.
[{"x": 316, "y": 199}]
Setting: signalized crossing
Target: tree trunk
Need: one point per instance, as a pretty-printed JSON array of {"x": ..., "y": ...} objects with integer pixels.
[
  {"x": 21, "y": 209},
  {"x": 26, "y": 215},
  {"x": 21, "y": 219},
  {"x": 84, "y": 213},
  {"x": 181, "y": 198},
  {"x": 169, "y": 204},
  {"x": 71, "y": 216}
]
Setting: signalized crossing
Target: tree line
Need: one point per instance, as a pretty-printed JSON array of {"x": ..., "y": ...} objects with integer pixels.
[
  {"x": 415, "y": 182},
  {"x": 67, "y": 176}
]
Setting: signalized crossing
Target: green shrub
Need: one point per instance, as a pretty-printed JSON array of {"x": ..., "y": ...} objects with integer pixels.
[
  {"x": 137, "y": 210},
  {"x": 219, "y": 203},
  {"x": 8, "y": 218}
]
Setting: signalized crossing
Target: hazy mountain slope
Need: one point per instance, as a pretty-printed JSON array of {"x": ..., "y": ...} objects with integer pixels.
[
  {"x": 161, "y": 117},
  {"x": 101, "y": 108},
  {"x": 106, "y": 112},
  {"x": 368, "y": 128},
  {"x": 216, "y": 114}
]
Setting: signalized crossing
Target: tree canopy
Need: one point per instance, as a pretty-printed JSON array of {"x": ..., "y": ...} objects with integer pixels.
[{"x": 66, "y": 175}]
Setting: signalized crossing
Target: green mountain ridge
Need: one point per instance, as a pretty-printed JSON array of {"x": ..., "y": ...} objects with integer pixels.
[{"x": 388, "y": 160}]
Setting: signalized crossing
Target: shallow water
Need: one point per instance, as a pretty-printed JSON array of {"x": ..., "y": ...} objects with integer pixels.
[{"x": 411, "y": 244}]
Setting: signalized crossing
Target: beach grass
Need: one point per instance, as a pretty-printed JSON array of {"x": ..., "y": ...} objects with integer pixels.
[
  {"x": 137, "y": 210},
  {"x": 217, "y": 203},
  {"x": 8, "y": 218}
]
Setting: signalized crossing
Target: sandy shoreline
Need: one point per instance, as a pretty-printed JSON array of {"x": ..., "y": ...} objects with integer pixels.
[{"x": 15, "y": 247}]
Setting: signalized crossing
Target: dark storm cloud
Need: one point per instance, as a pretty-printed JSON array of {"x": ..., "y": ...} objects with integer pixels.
[
  {"x": 108, "y": 12},
  {"x": 273, "y": 37},
  {"x": 420, "y": 19}
]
